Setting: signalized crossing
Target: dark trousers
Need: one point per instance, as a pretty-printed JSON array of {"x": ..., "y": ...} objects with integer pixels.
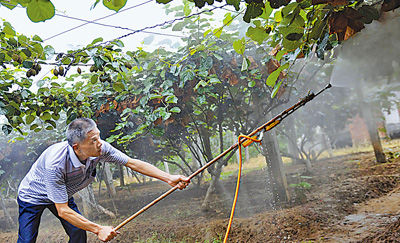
[{"x": 29, "y": 220}]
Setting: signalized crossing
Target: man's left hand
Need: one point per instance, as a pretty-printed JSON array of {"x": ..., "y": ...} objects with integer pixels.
[{"x": 179, "y": 180}]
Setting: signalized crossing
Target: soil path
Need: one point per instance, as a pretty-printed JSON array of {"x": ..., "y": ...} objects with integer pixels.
[
  {"x": 371, "y": 217},
  {"x": 352, "y": 199}
]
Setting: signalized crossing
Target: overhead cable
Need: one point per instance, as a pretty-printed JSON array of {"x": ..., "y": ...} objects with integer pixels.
[
  {"x": 118, "y": 27},
  {"x": 146, "y": 28},
  {"x": 78, "y": 26}
]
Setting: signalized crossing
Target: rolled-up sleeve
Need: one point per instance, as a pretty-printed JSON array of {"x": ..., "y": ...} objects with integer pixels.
[
  {"x": 55, "y": 186},
  {"x": 113, "y": 155}
]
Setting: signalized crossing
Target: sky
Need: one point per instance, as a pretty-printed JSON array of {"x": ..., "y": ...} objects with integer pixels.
[{"x": 135, "y": 18}]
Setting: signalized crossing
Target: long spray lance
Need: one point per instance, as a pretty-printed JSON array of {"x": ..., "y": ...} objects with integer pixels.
[{"x": 245, "y": 140}]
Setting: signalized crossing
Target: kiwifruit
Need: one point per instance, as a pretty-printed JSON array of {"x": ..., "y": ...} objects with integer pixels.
[
  {"x": 33, "y": 72},
  {"x": 79, "y": 70},
  {"x": 128, "y": 65},
  {"x": 55, "y": 72},
  {"x": 61, "y": 70},
  {"x": 38, "y": 68},
  {"x": 92, "y": 68},
  {"x": 15, "y": 57}
]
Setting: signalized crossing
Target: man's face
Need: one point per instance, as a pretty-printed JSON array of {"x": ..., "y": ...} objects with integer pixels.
[{"x": 91, "y": 146}]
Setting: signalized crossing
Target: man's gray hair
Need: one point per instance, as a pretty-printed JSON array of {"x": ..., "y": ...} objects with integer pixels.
[{"x": 78, "y": 129}]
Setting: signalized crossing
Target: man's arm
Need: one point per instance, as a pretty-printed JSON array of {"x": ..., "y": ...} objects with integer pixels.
[
  {"x": 104, "y": 233},
  {"x": 150, "y": 170}
]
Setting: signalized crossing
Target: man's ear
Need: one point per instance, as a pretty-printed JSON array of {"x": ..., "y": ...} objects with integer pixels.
[{"x": 75, "y": 146}]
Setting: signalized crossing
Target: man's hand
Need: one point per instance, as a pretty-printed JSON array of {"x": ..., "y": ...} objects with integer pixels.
[
  {"x": 106, "y": 233},
  {"x": 181, "y": 181}
]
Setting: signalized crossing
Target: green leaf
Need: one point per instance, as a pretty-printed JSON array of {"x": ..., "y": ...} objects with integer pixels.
[
  {"x": 267, "y": 10},
  {"x": 186, "y": 75},
  {"x": 94, "y": 79},
  {"x": 257, "y": 34},
  {"x": 2, "y": 57},
  {"x": 45, "y": 116},
  {"x": 157, "y": 131},
  {"x": 294, "y": 36},
  {"x": 29, "y": 119},
  {"x": 55, "y": 116},
  {"x": 217, "y": 32},
  {"x": 235, "y": 3},
  {"x": 115, "y": 5},
  {"x": 155, "y": 96},
  {"x": 178, "y": 26},
  {"x": 369, "y": 14},
  {"x": 218, "y": 56},
  {"x": 275, "y": 4},
  {"x": 276, "y": 88},
  {"x": 186, "y": 8},
  {"x": 34, "y": 126},
  {"x": 207, "y": 32},
  {"x": 37, "y": 38},
  {"x": 239, "y": 46},
  {"x": 7, "y": 129},
  {"x": 40, "y": 10},
  {"x": 119, "y": 43},
  {"x": 8, "y": 29},
  {"x": 228, "y": 19},
  {"x": 100, "y": 39},
  {"x": 27, "y": 52},
  {"x": 253, "y": 10},
  {"x": 10, "y": 4},
  {"x": 171, "y": 99},
  {"x": 164, "y": 1},
  {"x": 245, "y": 64},
  {"x": 27, "y": 64},
  {"x": 118, "y": 86},
  {"x": 175, "y": 110},
  {"x": 80, "y": 97},
  {"x": 251, "y": 84},
  {"x": 275, "y": 74},
  {"x": 215, "y": 81},
  {"x": 280, "y": 54},
  {"x": 49, "y": 51},
  {"x": 206, "y": 63},
  {"x": 289, "y": 8}
]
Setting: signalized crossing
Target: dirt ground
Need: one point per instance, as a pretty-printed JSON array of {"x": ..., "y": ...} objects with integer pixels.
[{"x": 351, "y": 199}]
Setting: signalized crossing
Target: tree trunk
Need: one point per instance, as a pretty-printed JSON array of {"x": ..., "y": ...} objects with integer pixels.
[
  {"x": 6, "y": 213},
  {"x": 205, "y": 206},
  {"x": 372, "y": 128},
  {"x": 90, "y": 205},
  {"x": 109, "y": 180},
  {"x": 121, "y": 175},
  {"x": 276, "y": 175},
  {"x": 166, "y": 167},
  {"x": 292, "y": 138},
  {"x": 373, "y": 135},
  {"x": 247, "y": 154}
]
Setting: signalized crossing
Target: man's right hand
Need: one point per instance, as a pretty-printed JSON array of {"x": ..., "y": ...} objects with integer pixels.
[{"x": 106, "y": 233}]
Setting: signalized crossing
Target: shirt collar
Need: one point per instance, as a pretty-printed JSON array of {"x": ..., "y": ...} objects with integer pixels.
[{"x": 74, "y": 158}]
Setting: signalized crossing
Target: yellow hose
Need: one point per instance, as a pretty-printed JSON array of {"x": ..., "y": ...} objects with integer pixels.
[{"x": 253, "y": 139}]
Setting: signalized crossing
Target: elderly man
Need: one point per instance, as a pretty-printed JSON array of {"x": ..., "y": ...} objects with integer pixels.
[{"x": 67, "y": 167}]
